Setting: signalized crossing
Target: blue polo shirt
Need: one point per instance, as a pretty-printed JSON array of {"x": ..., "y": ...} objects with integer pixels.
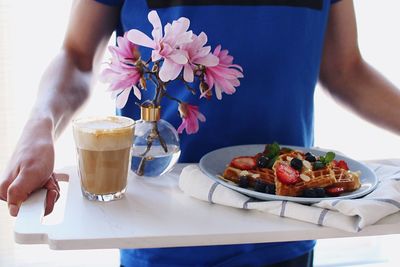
[{"x": 279, "y": 45}]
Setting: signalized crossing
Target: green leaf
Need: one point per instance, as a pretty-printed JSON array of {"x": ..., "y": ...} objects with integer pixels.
[
  {"x": 329, "y": 157},
  {"x": 273, "y": 150},
  {"x": 318, "y": 165}
]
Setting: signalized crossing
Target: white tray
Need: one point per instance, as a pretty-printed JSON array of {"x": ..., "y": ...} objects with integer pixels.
[{"x": 155, "y": 213}]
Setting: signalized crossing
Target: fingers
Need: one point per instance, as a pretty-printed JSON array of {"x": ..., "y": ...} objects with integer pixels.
[
  {"x": 17, "y": 193},
  {"x": 53, "y": 193},
  {"x": 24, "y": 184},
  {"x": 5, "y": 180},
  {"x": 51, "y": 198}
]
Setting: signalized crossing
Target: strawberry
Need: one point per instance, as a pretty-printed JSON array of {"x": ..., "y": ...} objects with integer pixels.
[
  {"x": 342, "y": 164},
  {"x": 244, "y": 163},
  {"x": 334, "y": 191},
  {"x": 287, "y": 175}
]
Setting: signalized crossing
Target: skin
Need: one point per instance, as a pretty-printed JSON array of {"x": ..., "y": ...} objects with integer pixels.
[
  {"x": 351, "y": 80},
  {"x": 65, "y": 87}
]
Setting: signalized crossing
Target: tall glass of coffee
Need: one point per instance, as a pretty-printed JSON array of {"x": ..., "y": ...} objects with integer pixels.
[{"x": 103, "y": 150}]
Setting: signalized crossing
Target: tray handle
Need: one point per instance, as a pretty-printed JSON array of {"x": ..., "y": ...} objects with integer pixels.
[{"x": 28, "y": 227}]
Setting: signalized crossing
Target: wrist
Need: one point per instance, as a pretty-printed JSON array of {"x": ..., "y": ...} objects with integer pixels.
[{"x": 41, "y": 125}]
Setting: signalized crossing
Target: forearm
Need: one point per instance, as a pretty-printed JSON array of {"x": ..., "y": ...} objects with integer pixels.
[
  {"x": 63, "y": 89},
  {"x": 368, "y": 93}
]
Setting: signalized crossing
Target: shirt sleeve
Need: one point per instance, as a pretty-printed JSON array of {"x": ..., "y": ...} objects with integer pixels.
[
  {"x": 111, "y": 2},
  {"x": 334, "y": 1}
]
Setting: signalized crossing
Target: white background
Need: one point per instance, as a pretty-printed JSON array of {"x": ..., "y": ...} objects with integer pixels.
[{"x": 32, "y": 32}]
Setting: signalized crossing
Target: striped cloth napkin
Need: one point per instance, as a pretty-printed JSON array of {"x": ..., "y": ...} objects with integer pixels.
[{"x": 350, "y": 215}]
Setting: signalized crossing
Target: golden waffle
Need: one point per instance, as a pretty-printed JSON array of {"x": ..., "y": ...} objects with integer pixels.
[
  {"x": 318, "y": 178},
  {"x": 350, "y": 181},
  {"x": 264, "y": 174}
]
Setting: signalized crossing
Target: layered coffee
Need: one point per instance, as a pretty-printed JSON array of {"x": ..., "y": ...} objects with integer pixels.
[{"x": 103, "y": 147}]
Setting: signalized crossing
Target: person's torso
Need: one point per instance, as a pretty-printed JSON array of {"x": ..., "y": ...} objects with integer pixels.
[{"x": 279, "y": 45}]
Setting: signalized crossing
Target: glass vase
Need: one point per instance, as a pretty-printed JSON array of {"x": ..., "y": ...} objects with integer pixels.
[{"x": 155, "y": 148}]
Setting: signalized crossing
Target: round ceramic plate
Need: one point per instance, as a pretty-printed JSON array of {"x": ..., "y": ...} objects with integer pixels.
[{"x": 215, "y": 162}]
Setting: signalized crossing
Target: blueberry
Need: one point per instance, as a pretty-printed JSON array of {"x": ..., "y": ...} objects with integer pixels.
[
  {"x": 260, "y": 185},
  {"x": 318, "y": 165},
  {"x": 270, "y": 189},
  {"x": 262, "y": 162},
  {"x": 243, "y": 181},
  {"x": 310, "y": 157},
  {"x": 319, "y": 192},
  {"x": 296, "y": 164},
  {"x": 309, "y": 192}
]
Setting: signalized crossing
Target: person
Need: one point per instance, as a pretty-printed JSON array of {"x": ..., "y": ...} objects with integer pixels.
[{"x": 284, "y": 47}]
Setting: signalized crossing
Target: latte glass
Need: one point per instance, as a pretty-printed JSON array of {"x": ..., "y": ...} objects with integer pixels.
[{"x": 103, "y": 147}]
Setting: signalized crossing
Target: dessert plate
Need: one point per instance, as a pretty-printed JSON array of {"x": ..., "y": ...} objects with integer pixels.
[{"x": 214, "y": 163}]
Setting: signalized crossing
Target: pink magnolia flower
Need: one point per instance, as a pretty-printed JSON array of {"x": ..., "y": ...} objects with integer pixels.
[
  {"x": 225, "y": 76},
  {"x": 199, "y": 54},
  {"x": 125, "y": 51},
  {"x": 165, "y": 47},
  {"x": 122, "y": 75},
  {"x": 190, "y": 118}
]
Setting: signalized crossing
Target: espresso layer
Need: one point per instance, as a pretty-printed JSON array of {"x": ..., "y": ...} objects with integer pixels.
[{"x": 103, "y": 172}]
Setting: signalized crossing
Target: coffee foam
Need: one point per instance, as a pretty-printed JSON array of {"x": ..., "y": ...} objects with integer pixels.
[{"x": 103, "y": 134}]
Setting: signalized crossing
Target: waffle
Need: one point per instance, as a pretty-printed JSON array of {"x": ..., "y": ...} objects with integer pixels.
[
  {"x": 264, "y": 174},
  {"x": 350, "y": 181},
  {"x": 330, "y": 175},
  {"x": 318, "y": 178}
]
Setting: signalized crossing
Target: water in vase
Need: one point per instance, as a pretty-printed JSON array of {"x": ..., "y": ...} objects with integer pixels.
[{"x": 156, "y": 162}]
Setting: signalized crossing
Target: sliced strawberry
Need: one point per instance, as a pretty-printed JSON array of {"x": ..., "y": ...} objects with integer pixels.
[
  {"x": 244, "y": 163},
  {"x": 334, "y": 191},
  {"x": 287, "y": 175},
  {"x": 342, "y": 164}
]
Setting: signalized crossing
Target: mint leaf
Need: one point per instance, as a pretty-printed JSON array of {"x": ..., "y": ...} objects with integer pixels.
[
  {"x": 329, "y": 157},
  {"x": 273, "y": 150}
]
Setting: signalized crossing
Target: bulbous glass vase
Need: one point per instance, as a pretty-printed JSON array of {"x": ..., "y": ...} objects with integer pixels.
[{"x": 155, "y": 147}]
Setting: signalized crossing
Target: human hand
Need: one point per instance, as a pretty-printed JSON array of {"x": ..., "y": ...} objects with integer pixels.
[{"x": 31, "y": 168}]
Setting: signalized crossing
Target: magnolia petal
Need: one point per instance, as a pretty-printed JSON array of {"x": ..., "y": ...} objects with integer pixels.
[
  {"x": 209, "y": 79},
  {"x": 202, "y": 38},
  {"x": 184, "y": 38},
  {"x": 157, "y": 27},
  {"x": 139, "y": 38},
  {"x": 188, "y": 74},
  {"x": 178, "y": 58},
  {"x": 217, "y": 50},
  {"x": 201, "y": 117},
  {"x": 237, "y": 66},
  {"x": 115, "y": 93},
  {"x": 169, "y": 70},
  {"x": 192, "y": 125},
  {"x": 218, "y": 91},
  {"x": 209, "y": 60},
  {"x": 203, "y": 51},
  {"x": 122, "y": 98},
  {"x": 184, "y": 23},
  {"x": 182, "y": 126},
  {"x": 155, "y": 56},
  {"x": 137, "y": 92}
]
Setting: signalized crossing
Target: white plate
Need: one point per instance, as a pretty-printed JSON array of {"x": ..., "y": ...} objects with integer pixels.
[{"x": 214, "y": 163}]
